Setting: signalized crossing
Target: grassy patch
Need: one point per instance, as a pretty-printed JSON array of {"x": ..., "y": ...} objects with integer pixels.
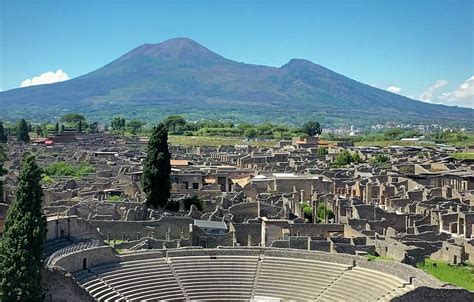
[
  {"x": 463, "y": 155},
  {"x": 62, "y": 168},
  {"x": 460, "y": 276},
  {"x": 216, "y": 141}
]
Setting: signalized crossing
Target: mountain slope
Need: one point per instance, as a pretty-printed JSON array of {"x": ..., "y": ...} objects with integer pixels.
[{"x": 182, "y": 76}]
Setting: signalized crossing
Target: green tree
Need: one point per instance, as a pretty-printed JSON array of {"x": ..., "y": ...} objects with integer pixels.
[
  {"x": 196, "y": 201},
  {"x": 344, "y": 158},
  {"x": 380, "y": 161},
  {"x": 250, "y": 133},
  {"x": 56, "y": 128},
  {"x": 118, "y": 124},
  {"x": 322, "y": 151},
  {"x": 23, "y": 238},
  {"x": 38, "y": 131},
  {"x": 135, "y": 126},
  {"x": 79, "y": 126},
  {"x": 63, "y": 128},
  {"x": 72, "y": 118},
  {"x": 22, "y": 133},
  {"x": 3, "y": 158},
  {"x": 174, "y": 122},
  {"x": 157, "y": 168},
  {"x": 324, "y": 213},
  {"x": 312, "y": 128},
  {"x": 3, "y": 137}
]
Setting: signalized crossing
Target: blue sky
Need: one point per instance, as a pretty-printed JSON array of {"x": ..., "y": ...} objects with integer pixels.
[{"x": 419, "y": 48}]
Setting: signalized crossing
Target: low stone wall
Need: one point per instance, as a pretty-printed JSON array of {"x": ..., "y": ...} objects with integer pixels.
[{"x": 93, "y": 257}]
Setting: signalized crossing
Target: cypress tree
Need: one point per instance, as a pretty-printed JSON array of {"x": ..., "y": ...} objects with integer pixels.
[
  {"x": 56, "y": 128},
  {"x": 22, "y": 134},
  {"x": 23, "y": 238},
  {"x": 79, "y": 126},
  {"x": 3, "y": 158},
  {"x": 3, "y": 137},
  {"x": 157, "y": 168}
]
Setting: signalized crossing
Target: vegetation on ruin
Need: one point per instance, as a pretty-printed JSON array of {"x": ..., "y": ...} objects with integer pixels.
[
  {"x": 62, "y": 168},
  {"x": 114, "y": 198},
  {"x": 380, "y": 161},
  {"x": 458, "y": 275},
  {"x": 24, "y": 234},
  {"x": 324, "y": 213},
  {"x": 157, "y": 168},
  {"x": 345, "y": 158},
  {"x": 194, "y": 200}
]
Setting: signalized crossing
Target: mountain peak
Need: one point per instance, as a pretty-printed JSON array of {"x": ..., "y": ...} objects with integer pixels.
[{"x": 176, "y": 49}]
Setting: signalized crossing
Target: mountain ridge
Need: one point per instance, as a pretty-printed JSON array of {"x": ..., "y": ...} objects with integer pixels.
[{"x": 182, "y": 71}]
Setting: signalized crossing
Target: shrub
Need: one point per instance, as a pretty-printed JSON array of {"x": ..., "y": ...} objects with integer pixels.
[{"x": 196, "y": 201}]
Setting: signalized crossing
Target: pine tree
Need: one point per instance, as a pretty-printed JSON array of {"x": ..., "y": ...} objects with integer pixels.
[
  {"x": 3, "y": 137},
  {"x": 56, "y": 128},
  {"x": 157, "y": 168},
  {"x": 22, "y": 134},
  {"x": 24, "y": 234}
]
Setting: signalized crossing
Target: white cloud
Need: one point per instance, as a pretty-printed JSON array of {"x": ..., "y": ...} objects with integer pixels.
[
  {"x": 394, "y": 89},
  {"x": 46, "y": 78},
  {"x": 427, "y": 95},
  {"x": 462, "y": 96}
]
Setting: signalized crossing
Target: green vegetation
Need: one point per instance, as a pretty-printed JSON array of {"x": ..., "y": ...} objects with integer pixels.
[
  {"x": 157, "y": 168},
  {"x": 324, "y": 213},
  {"x": 114, "y": 198},
  {"x": 345, "y": 158},
  {"x": 322, "y": 151},
  {"x": 23, "y": 130},
  {"x": 307, "y": 211},
  {"x": 174, "y": 122},
  {"x": 312, "y": 128},
  {"x": 463, "y": 155},
  {"x": 47, "y": 180},
  {"x": 3, "y": 137},
  {"x": 24, "y": 234},
  {"x": 62, "y": 168},
  {"x": 217, "y": 141},
  {"x": 3, "y": 158},
  {"x": 196, "y": 201},
  {"x": 72, "y": 118},
  {"x": 461, "y": 276},
  {"x": 380, "y": 161}
]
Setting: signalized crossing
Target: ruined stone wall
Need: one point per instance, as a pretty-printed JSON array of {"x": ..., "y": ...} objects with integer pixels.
[
  {"x": 243, "y": 230},
  {"x": 159, "y": 228},
  {"x": 60, "y": 286},
  {"x": 72, "y": 227}
]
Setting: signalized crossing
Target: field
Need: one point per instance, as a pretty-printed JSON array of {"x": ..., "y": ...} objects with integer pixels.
[
  {"x": 216, "y": 141},
  {"x": 460, "y": 276}
]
